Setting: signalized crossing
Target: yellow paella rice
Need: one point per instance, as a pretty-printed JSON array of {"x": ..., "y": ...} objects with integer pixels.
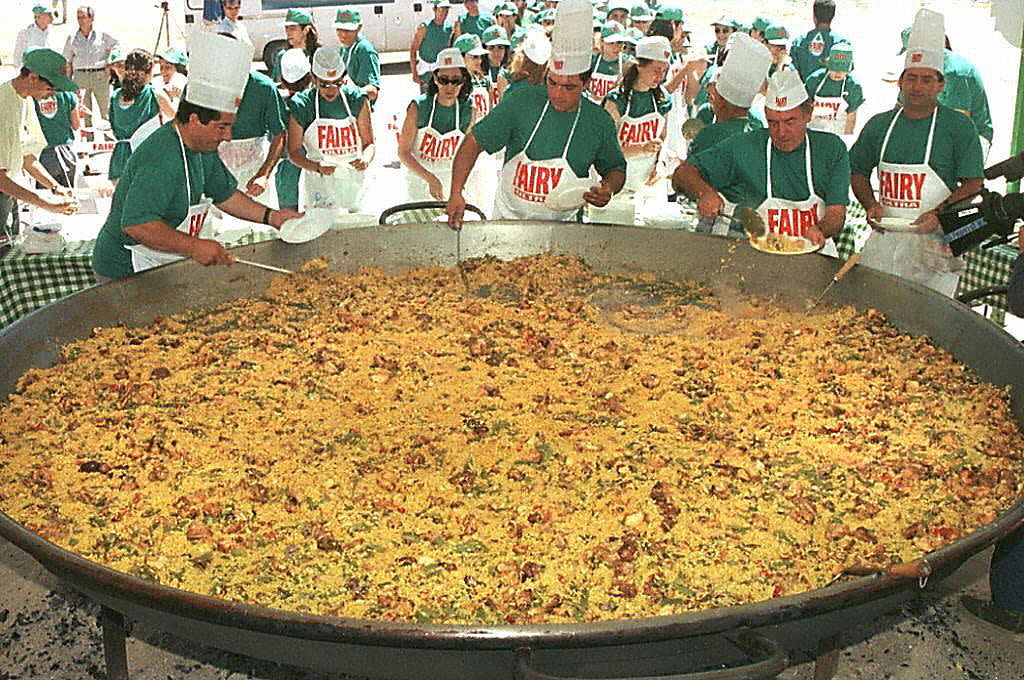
[{"x": 555, "y": 448}]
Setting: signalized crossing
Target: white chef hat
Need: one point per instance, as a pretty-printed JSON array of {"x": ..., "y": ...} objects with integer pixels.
[
  {"x": 537, "y": 47},
  {"x": 218, "y": 71},
  {"x": 572, "y": 38},
  {"x": 785, "y": 91},
  {"x": 655, "y": 48},
  {"x": 927, "y": 42},
  {"x": 328, "y": 64},
  {"x": 294, "y": 65},
  {"x": 744, "y": 71}
]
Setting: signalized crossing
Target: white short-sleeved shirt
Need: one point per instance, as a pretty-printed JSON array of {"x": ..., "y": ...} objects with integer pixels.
[{"x": 20, "y": 133}]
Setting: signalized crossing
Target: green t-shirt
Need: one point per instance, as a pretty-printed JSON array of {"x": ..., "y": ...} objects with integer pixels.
[
  {"x": 262, "y": 111},
  {"x": 57, "y": 126},
  {"x": 701, "y": 97},
  {"x": 509, "y": 126},
  {"x": 598, "y": 64},
  {"x": 706, "y": 114},
  {"x": 736, "y": 168},
  {"x": 362, "y": 63},
  {"x": 713, "y": 133},
  {"x": 810, "y": 51},
  {"x": 965, "y": 91},
  {"x": 956, "y": 150},
  {"x": 435, "y": 39},
  {"x": 476, "y": 25},
  {"x": 124, "y": 121},
  {"x": 639, "y": 103},
  {"x": 303, "y": 105},
  {"x": 850, "y": 90},
  {"x": 153, "y": 188},
  {"x": 444, "y": 116}
]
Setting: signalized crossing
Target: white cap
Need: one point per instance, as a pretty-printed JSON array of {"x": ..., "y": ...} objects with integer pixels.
[
  {"x": 537, "y": 47},
  {"x": 572, "y": 38},
  {"x": 620, "y": 4},
  {"x": 327, "y": 64},
  {"x": 294, "y": 65},
  {"x": 785, "y": 90},
  {"x": 655, "y": 48},
  {"x": 744, "y": 71},
  {"x": 927, "y": 42},
  {"x": 218, "y": 71},
  {"x": 450, "y": 57}
]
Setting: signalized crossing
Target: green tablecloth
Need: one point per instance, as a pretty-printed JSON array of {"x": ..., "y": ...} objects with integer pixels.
[{"x": 28, "y": 282}]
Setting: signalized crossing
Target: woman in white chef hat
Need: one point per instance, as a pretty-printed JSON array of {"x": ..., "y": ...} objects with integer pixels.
[
  {"x": 331, "y": 124},
  {"x": 436, "y": 122},
  {"x": 640, "y": 107}
]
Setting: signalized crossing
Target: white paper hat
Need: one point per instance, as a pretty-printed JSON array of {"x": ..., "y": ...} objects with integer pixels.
[
  {"x": 328, "y": 64},
  {"x": 572, "y": 38},
  {"x": 537, "y": 47},
  {"x": 450, "y": 57},
  {"x": 294, "y": 65},
  {"x": 655, "y": 47},
  {"x": 785, "y": 90},
  {"x": 927, "y": 42},
  {"x": 218, "y": 71},
  {"x": 744, "y": 71}
]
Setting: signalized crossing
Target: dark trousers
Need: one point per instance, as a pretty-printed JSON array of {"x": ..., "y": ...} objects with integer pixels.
[{"x": 1006, "y": 575}]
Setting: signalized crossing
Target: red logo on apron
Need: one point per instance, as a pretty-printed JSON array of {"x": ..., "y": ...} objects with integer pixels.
[
  {"x": 791, "y": 221},
  {"x": 900, "y": 189},
  {"x": 534, "y": 183},
  {"x": 195, "y": 224},
  {"x": 646, "y": 131},
  {"x": 337, "y": 141},
  {"x": 434, "y": 149},
  {"x": 827, "y": 109},
  {"x": 48, "y": 107}
]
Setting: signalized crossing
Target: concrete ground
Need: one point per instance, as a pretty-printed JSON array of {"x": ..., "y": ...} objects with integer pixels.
[{"x": 49, "y": 632}]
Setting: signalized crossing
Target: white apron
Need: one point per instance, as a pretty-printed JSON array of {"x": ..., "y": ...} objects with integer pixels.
[
  {"x": 525, "y": 183},
  {"x": 244, "y": 157},
  {"x": 829, "y": 112},
  {"x": 436, "y": 153},
  {"x": 676, "y": 148},
  {"x": 194, "y": 224},
  {"x": 793, "y": 218},
  {"x": 333, "y": 141},
  {"x": 907, "y": 190},
  {"x": 636, "y": 193},
  {"x": 481, "y": 97},
  {"x": 602, "y": 83}
]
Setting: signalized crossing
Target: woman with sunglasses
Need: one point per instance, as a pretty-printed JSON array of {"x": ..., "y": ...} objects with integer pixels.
[
  {"x": 435, "y": 124},
  {"x": 331, "y": 124},
  {"x": 134, "y": 109},
  {"x": 640, "y": 107}
]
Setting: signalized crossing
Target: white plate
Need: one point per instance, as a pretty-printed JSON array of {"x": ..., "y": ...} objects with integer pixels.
[
  {"x": 313, "y": 224},
  {"x": 567, "y": 196},
  {"x": 897, "y": 224},
  {"x": 795, "y": 246}
]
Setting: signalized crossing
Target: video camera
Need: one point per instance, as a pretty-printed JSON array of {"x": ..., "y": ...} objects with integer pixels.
[{"x": 975, "y": 219}]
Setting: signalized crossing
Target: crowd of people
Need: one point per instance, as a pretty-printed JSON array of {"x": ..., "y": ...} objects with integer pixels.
[{"x": 551, "y": 110}]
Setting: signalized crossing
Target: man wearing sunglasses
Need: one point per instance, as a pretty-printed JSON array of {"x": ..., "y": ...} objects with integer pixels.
[
  {"x": 42, "y": 74},
  {"x": 553, "y": 138}
]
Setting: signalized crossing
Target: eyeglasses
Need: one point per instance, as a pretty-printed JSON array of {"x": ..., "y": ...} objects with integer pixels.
[
  {"x": 325, "y": 85},
  {"x": 441, "y": 80},
  {"x": 723, "y": 29}
]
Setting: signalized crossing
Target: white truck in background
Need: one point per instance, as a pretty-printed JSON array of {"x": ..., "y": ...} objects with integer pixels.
[{"x": 389, "y": 24}]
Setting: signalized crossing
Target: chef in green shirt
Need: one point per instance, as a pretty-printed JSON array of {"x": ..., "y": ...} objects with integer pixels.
[
  {"x": 58, "y": 118},
  {"x": 618, "y": 11},
  {"x": 261, "y": 116},
  {"x": 473, "y": 21},
  {"x": 295, "y": 78},
  {"x": 724, "y": 27},
  {"x": 41, "y": 76},
  {"x": 797, "y": 179},
  {"x": 551, "y": 137},
  {"x": 810, "y": 51},
  {"x": 836, "y": 92},
  {"x": 964, "y": 91},
  {"x": 777, "y": 37},
  {"x": 640, "y": 16},
  {"x": 301, "y": 34},
  {"x": 606, "y": 66},
  {"x": 160, "y": 207},
  {"x": 431, "y": 37},
  {"x": 362, "y": 63},
  {"x": 732, "y": 92},
  {"x": 926, "y": 155},
  {"x": 506, "y": 15}
]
